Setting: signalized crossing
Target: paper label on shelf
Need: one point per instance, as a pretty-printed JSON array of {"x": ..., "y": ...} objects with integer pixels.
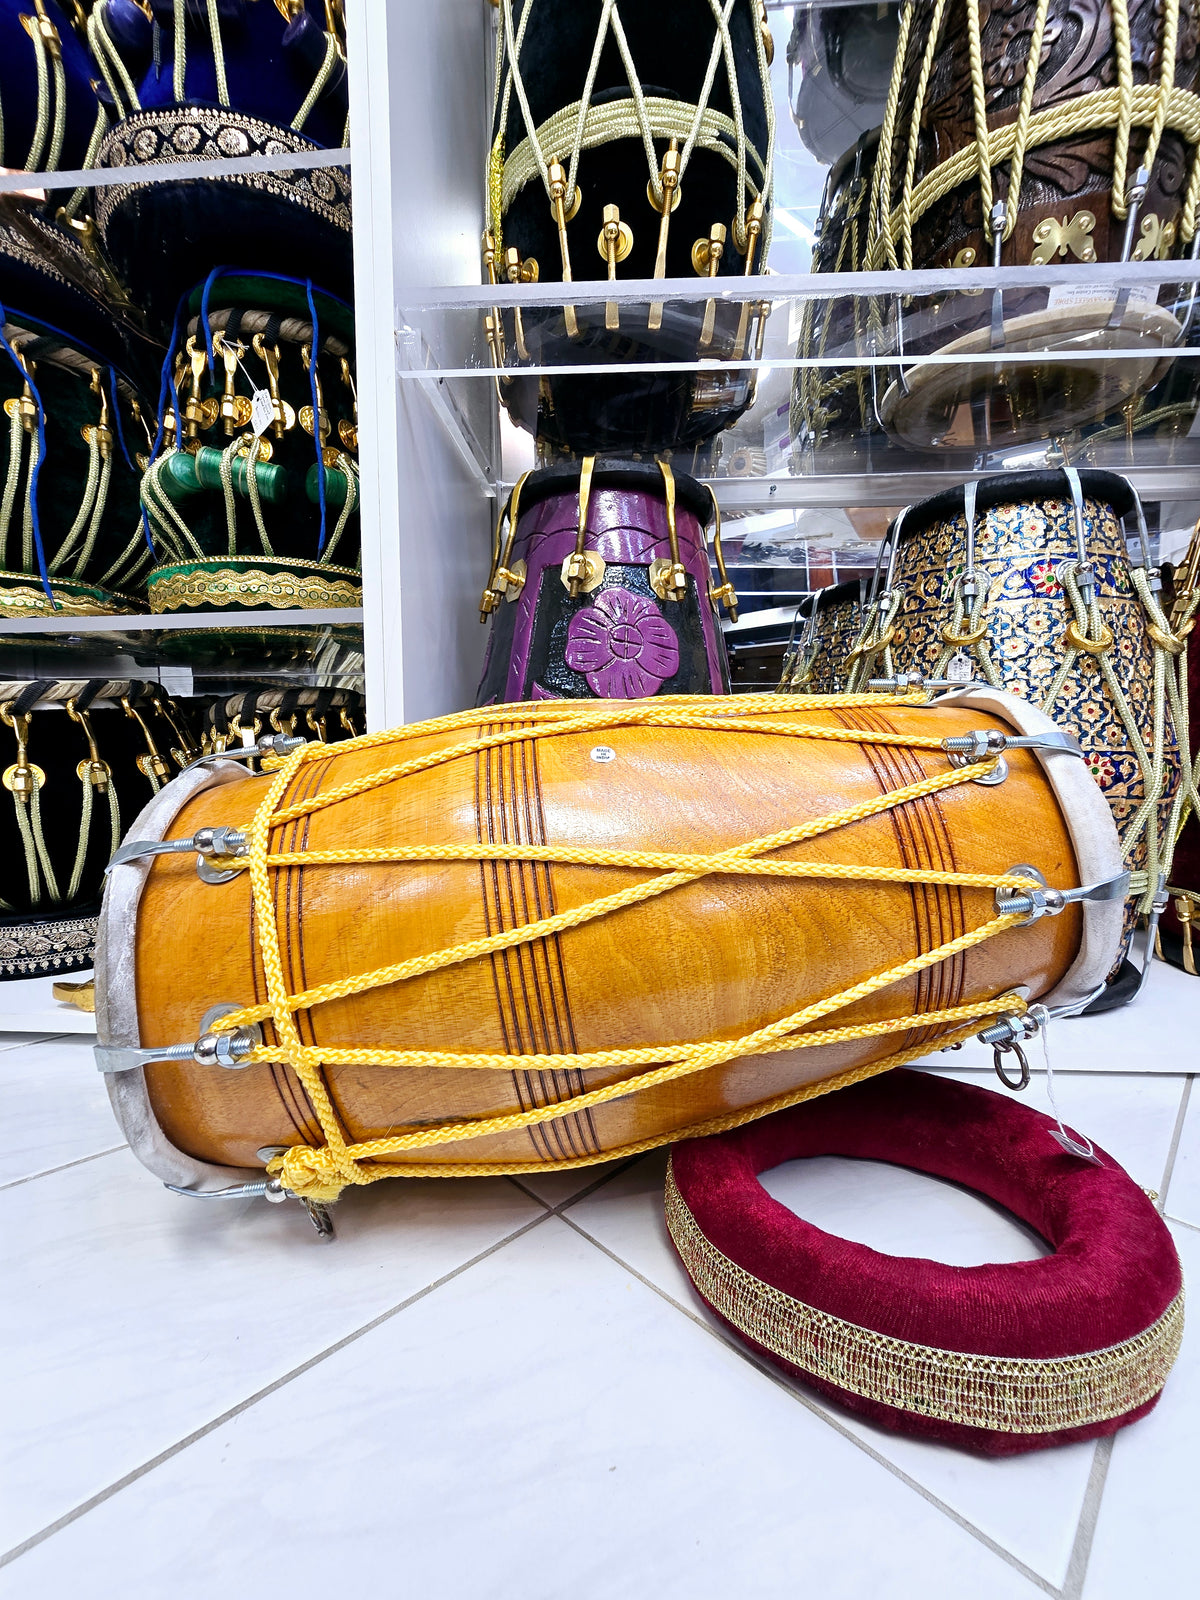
[
  {"x": 262, "y": 412},
  {"x": 1082, "y": 294},
  {"x": 176, "y": 680}
]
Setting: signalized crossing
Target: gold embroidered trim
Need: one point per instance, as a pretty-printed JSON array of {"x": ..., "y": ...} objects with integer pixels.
[
  {"x": 21, "y": 601},
  {"x": 1010, "y": 1394},
  {"x": 180, "y": 591},
  {"x": 210, "y": 133}
]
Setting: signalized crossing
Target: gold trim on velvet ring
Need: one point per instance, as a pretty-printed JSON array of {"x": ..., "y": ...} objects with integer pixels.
[{"x": 1009, "y": 1393}]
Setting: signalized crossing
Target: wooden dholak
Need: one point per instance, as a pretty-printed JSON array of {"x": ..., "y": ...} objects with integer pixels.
[{"x": 550, "y": 934}]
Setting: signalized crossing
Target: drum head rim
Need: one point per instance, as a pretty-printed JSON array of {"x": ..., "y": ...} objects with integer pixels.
[
  {"x": 611, "y": 472},
  {"x": 1010, "y": 488}
]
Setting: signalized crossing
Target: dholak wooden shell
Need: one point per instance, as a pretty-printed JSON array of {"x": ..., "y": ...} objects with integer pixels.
[{"x": 709, "y": 960}]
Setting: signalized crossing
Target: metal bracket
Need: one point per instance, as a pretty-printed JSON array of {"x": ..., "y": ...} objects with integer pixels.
[
  {"x": 980, "y": 743},
  {"x": 1007, "y": 1036},
  {"x": 211, "y": 1049},
  {"x": 917, "y": 680},
  {"x": 271, "y": 744},
  {"x": 1030, "y": 904},
  {"x": 267, "y": 1189},
  {"x": 206, "y": 842}
]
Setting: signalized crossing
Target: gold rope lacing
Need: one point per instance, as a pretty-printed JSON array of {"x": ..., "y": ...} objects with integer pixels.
[
  {"x": 1155, "y": 107},
  {"x": 581, "y": 125},
  {"x": 320, "y": 1173}
]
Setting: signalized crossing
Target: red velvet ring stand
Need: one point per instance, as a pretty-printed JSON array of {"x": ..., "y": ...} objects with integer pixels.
[{"x": 1114, "y": 1272}]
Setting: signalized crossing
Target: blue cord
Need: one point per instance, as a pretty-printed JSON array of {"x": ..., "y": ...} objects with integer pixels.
[
  {"x": 116, "y": 405},
  {"x": 167, "y": 381},
  {"x": 37, "y": 466},
  {"x": 312, "y": 383}
]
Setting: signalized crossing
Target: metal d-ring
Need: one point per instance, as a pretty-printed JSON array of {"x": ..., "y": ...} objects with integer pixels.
[{"x": 999, "y": 1051}]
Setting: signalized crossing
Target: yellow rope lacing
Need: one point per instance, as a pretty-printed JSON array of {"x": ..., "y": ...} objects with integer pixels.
[
  {"x": 1155, "y": 107},
  {"x": 321, "y": 1173}
]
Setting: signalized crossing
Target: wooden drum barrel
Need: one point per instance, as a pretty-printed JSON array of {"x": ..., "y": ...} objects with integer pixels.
[{"x": 564, "y": 962}]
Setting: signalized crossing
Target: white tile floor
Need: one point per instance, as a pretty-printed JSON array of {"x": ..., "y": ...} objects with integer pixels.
[{"x": 488, "y": 1389}]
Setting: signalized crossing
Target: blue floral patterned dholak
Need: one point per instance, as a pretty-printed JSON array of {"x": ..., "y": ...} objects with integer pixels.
[{"x": 1021, "y": 551}]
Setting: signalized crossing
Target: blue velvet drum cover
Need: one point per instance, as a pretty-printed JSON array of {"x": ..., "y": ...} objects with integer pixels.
[{"x": 270, "y": 79}]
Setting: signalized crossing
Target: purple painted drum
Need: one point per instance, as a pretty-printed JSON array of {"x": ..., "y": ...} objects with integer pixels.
[{"x": 601, "y": 587}]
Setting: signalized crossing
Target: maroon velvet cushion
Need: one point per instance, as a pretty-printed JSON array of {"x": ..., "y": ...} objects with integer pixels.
[{"x": 1111, "y": 1292}]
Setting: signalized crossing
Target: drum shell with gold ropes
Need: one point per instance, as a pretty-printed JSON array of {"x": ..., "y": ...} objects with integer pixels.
[
  {"x": 1066, "y": 195},
  {"x": 710, "y": 960},
  {"x": 1018, "y": 631}
]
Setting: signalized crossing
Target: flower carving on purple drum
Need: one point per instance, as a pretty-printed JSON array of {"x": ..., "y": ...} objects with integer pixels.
[{"x": 623, "y": 645}]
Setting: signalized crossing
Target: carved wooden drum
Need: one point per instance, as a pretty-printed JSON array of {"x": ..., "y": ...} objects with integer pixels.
[
  {"x": 545, "y": 935},
  {"x": 1085, "y": 152},
  {"x": 601, "y": 587}
]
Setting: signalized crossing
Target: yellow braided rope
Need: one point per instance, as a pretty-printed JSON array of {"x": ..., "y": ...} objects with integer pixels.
[
  {"x": 323, "y": 1172},
  {"x": 983, "y": 151},
  {"x": 306, "y": 1161}
]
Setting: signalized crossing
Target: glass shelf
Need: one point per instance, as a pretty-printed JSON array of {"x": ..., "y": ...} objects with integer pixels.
[{"x": 314, "y": 648}]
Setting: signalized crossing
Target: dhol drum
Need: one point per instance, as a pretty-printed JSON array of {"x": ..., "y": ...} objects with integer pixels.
[
  {"x": 830, "y": 621},
  {"x": 205, "y": 83},
  {"x": 625, "y": 136},
  {"x": 1024, "y": 581},
  {"x": 549, "y": 935},
  {"x": 78, "y": 760},
  {"x": 601, "y": 587},
  {"x": 329, "y": 715},
  {"x": 49, "y": 112},
  {"x": 845, "y": 55},
  {"x": 1034, "y": 134},
  {"x": 832, "y": 414},
  {"x": 72, "y": 431},
  {"x": 249, "y": 502}
]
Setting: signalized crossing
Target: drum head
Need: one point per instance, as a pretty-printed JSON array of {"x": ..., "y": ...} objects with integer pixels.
[{"x": 942, "y": 405}]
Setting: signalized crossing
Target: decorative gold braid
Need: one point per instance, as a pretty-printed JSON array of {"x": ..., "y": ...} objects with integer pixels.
[
  {"x": 321, "y": 1173},
  {"x": 20, "y": 600},
  {"x": 1008, "y": 1393},
  {"x": 173, "y": 590}
]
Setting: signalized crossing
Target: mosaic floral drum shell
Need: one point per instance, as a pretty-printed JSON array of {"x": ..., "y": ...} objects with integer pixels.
[
  {"x": 1019, "y": 548},
  {"x": 834, "y": 632}
]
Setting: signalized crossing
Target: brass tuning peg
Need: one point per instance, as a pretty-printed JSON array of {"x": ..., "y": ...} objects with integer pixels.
[
  {"x": 556, "y": 175},
  {"x": 706, "y": 259},
  {"x": 668, "y": 179},
  {"x": 614, "y": 244}
]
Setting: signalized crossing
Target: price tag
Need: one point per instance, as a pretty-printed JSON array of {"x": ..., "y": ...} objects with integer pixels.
[{"x": 262, "y": 412}]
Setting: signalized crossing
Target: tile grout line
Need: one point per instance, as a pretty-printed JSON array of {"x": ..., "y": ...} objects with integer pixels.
[
  {"x": 1085, "y": 1531},
  {"x": 38, "y": 1038},
  {"x": 582, "y": 1194},
  {"x": 1180, "y": 1223},
  {"x": 65, "y": 1166},
  {"x": 276, "y": 1384},
  {"x": 779, "y": 1379},
  {"x": 1176, "y": 1136}
]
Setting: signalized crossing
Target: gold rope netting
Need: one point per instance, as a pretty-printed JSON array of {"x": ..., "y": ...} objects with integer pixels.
[{"x": 321, "y": 1173}]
